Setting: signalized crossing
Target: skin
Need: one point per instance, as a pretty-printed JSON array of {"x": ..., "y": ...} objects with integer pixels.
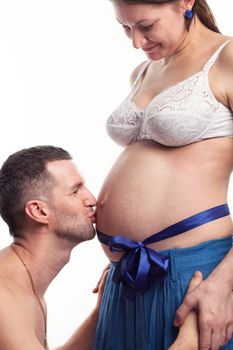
[
  {"x": 45, "y": 244},
  {"x": 188, "y": 333},
  {"x": 200, "y": 171}
]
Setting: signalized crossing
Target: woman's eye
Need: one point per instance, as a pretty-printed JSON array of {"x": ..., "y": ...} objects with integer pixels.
[
  {"x": 147, "y": 27},
  {"x": 126, "y": 29}
]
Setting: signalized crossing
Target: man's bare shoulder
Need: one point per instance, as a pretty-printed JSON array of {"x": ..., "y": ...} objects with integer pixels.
[
  {"x": 13, "y": 296},
  {"x": 17, "y": 323},
  {"x": 13, "y": 302},
  {"x": 11, "y": 290}
]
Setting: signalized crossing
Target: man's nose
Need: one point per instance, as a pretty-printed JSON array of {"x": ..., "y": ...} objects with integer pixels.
[{"x": 90, "y": 200}]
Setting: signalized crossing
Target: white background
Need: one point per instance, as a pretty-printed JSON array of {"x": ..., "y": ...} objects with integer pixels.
[{"x": 64, "y": 66}]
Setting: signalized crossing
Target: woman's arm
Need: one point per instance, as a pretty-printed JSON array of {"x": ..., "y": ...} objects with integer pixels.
[{"x": 213, "y": 301}]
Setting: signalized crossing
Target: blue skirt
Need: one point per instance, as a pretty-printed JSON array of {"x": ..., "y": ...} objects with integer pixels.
[{"x": 147, "y": 323}]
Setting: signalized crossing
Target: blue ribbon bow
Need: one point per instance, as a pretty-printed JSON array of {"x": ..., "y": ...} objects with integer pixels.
[{"x": 138, "y": 267}]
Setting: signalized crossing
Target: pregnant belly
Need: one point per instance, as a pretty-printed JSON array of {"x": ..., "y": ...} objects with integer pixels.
[{"x": 151, "y": 187}]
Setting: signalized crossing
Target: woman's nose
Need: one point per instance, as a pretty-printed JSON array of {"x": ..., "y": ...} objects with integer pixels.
[{"x": 138, "y": 39}]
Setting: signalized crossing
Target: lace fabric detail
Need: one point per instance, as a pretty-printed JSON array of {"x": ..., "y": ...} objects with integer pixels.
[
  {"x": 193, "y": 110},
  {"x": 124, "y": 124},
  {"x": 182, "y": 114}
]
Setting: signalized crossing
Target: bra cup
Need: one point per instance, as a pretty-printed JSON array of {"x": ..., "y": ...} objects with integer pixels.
[
  {"x": 180, "y": 115},
  {"x": 121, "y": 135},
  {"x": 183, "y": 113},
  {"x": 124, "y": 124},
  {"x": 178, "y": 131}
]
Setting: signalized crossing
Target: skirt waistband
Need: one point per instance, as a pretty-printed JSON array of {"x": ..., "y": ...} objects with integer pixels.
[
  {"x": 140, "y": 266},
  {"x": 205, "y": 251}
]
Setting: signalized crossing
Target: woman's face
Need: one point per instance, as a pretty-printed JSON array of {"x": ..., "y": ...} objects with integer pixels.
[{"x": 159, "y": 30}]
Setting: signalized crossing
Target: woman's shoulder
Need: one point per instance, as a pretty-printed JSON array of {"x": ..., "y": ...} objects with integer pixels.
[
  {"x": 226, "y": 54},
  {"x": 136, "y": 71},
  {"x": 224, "y": 69}
]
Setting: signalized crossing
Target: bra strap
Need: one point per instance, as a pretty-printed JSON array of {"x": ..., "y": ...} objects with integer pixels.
[
  {"x": 142, "y": 70},
  {"x": 213, "y": 58}
]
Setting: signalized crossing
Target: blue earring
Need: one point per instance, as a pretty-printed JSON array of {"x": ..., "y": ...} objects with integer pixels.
[{"x": 188, "y": 14}]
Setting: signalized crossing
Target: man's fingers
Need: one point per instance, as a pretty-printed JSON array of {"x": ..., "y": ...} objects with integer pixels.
[
  {"x": 96, "y": 289},
  {"x": 102, "y": 281},
  {"x": 187, "y": 305},
  {"x": 101, "y": 287},
  {"x": 195, "y": 281},
  {"x": 183, "y": 311}
]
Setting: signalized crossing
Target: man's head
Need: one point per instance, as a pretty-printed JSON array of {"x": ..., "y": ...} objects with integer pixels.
[{"x": 36, "y": 187}]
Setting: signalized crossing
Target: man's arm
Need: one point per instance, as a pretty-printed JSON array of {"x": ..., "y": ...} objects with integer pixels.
[
  {"x": 18, "y": 324},
  {"x": 188, "y": 336},
  {"x": 84, "y": 336}
]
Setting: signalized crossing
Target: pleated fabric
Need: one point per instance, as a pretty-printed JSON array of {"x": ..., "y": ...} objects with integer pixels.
[{"x": 147, "y": 323}]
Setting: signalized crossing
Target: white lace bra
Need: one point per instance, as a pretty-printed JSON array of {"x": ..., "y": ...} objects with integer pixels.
[{"x": 184, "y": 113}]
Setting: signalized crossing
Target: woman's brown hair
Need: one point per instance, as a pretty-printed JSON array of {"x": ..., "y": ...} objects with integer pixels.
[
  {"x": 205, "y": 15},
  {"x": 200, "y": 8}
]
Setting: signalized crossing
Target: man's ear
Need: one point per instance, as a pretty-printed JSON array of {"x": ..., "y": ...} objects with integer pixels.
[{"x": 37, "y": 210}]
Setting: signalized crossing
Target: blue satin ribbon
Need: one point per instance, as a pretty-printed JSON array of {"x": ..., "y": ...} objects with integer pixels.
[{"x": 140, "y": 266}]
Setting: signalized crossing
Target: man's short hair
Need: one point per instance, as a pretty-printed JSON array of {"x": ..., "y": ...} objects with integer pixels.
[{"x": 23, "y": 177}]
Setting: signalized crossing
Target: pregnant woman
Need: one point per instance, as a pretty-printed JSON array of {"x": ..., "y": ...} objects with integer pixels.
[{"x": 162, "y": 211}]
